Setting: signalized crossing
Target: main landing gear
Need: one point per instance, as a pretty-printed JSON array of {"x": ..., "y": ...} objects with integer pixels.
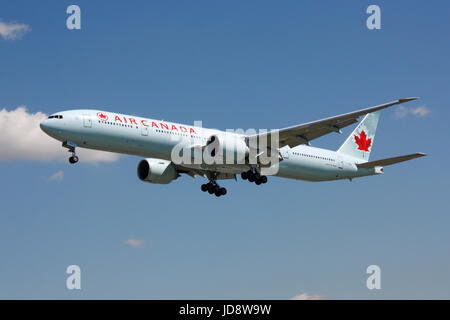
[
  {"x": 254, "y": 176},
  {"x": 212, "y": 187},
  {"x": 71, "y": 146}
]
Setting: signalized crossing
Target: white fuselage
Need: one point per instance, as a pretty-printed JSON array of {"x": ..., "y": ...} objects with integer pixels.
[{"x": 149, "y": 138}]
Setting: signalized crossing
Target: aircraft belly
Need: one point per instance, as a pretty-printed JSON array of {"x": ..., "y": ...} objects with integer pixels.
[
  {"x": 228, "y": 168},
  {"x": 307, "y": 170}
]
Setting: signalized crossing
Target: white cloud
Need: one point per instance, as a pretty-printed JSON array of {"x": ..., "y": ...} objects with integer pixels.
[
  {"x": 21, "y": 138},
  {"x": 13, "y": 31},
  {"x": 305, "y": 296},
  {"x": 420, "y": 111},
  {"x": 135, "y": 243},
  {"x": 57, "y": 176}
]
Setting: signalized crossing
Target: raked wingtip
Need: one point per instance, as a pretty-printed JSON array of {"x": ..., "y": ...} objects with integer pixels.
[{"x": 407, "y": 99}]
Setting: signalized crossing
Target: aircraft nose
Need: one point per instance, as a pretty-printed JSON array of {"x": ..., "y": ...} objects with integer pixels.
[
  {"x": 44, "y": 125},
  {"x": 47, "y": 127},
  {"x": 53, "y": 125}
]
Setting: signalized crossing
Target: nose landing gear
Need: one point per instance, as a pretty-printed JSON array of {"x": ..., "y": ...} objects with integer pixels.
[
  {"x": 73, "y": 159},
  {"x": 71, "y": 146}
]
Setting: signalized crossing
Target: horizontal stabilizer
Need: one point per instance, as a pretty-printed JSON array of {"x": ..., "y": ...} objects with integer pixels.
[{"x": 389, "y": 161}]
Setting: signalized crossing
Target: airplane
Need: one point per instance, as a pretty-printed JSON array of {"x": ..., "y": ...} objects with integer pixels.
[{"x": 289, "y": 148}]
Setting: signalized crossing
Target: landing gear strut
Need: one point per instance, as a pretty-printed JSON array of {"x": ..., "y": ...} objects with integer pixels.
[
  {"x": 254, "y": 176},
  {"x": 212, "y": 187},
  {"x": 71, "y": 146}
]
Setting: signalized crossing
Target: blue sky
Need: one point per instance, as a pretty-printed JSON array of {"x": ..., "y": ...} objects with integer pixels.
[{"x": 231, "y": 64}]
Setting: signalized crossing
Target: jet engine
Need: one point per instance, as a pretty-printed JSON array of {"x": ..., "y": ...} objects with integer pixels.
[
  {"x": 156, "y": 171},
  {"x": 227, "y": 148}
]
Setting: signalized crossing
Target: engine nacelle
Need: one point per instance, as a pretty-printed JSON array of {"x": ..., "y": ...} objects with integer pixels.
[
  {"x": 156, "y": 171},
  {"x": 228, "y": 148}
]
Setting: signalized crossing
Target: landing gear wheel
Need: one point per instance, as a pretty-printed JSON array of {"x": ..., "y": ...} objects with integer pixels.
[
  {"x": 211, "y": 188},
  {"x": 73, "y": 159},
  {"x": 254, "y": 176}
]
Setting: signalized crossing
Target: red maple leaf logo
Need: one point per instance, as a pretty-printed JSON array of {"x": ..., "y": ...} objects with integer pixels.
[
  {"x": 102, "y": 116},
  {"x": 362, "y": 141}
]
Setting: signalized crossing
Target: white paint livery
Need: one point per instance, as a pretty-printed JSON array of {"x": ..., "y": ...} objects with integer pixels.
[{"x": 155, "y": 141}]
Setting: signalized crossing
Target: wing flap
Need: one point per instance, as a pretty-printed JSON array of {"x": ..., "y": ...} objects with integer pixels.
[{"x": 389, "y": 161}]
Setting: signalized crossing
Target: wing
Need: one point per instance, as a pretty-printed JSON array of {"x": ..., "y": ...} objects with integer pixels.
[
  {"x": 389, "y": 161},
  {"x": 303, "y": 133}
]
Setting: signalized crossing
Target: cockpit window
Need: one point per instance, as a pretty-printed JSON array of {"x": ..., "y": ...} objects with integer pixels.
[{"x": 58, "y": 116}]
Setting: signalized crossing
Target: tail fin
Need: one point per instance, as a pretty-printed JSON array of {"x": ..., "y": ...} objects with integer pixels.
[{"x": 360, "y": 142}]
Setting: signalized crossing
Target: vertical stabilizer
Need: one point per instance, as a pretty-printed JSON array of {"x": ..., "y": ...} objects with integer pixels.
[{"x": 360, "y": 142}]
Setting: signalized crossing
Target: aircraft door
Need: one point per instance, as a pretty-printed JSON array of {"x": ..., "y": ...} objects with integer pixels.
[
  {"x": 340, "y": 162},
  {"x": 144, "y": 131},
  {"x": 87, "y": 121},
  {"x": 286, "y": 153}
]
